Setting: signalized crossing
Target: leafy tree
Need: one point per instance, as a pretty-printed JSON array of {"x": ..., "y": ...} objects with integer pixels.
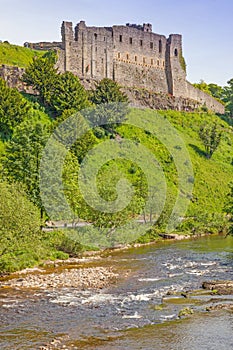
[
  {"x": 203, "y": 86},
  {"x": 210, "y": 137},
  {"x": 21, "y": 162},
  {"x": 216, "y": 91},
  {"x": 69, "y": 94},
  {"x": 111, "y": 104},
  {"x": 229, "y": 206},
  {"x": 228, "y": 97},
  {"x": 107, "y": 91},
  {"x": 13, "y": 109},
  {"x": 41, "y": 75},
  {"x": 19, "y": 224}
]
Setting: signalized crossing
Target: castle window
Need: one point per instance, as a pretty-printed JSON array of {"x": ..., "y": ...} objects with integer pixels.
[
  {"x": 127, "y": 56},
  {"x": 131, "y": 40},
  {"x": 176, "y": 52},
  {"x": 160, "y": 46},
  {"x": 119, "y": 55},
  {"x": 152, "y": 62},
  {"x": 158, "y": 63},
  {"x": 141, "y": 42},
  {"x": 144, "y": 60},
  {"x": 163, "y": 64},
  {"x": 120, "y": 38},
  {"x": 151, "y": 45},
  {"x": 96, "y": 49},
  {"x": 136, "y": 58},
  {"x": 104, "y": 38},
  {"x": 95, "y": 35}
]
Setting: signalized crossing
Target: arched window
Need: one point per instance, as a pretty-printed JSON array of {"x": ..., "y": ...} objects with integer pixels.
[
  {"x": 176, "y": 52},
  {"x": 144, "y": 60},
  {"x": 127, "y": 56},
  {"x": 136, "y": 58},
  {"x": 95, "y": 35},
  {"x": 152, "y": 62},
  {"x": 160, "y": 46}
]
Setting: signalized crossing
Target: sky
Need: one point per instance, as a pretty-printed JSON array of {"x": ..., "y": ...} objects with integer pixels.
[{"x": 206, "y": 26}]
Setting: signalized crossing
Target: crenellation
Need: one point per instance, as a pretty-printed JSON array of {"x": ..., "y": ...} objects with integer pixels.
[{"x": 132, "y": 55}]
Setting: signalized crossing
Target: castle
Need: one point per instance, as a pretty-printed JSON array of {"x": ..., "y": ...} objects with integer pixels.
[{"x": 132, "y": 55}]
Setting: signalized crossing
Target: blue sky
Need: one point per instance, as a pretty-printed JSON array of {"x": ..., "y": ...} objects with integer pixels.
[{"x": 206, "y": 26}]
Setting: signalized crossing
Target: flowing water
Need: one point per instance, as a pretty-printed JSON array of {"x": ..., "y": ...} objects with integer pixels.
[{"x": 136, "y": 312}]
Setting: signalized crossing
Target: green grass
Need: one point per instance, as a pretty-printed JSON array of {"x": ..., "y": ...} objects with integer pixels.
[
  {"x": 211, "y": 176},
  {"x": 19, "y": 56}
]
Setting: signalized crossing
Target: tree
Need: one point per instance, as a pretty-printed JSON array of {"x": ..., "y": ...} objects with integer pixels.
[
  {"x": 111, "y": 105},
  {"x": 13, "y": 109},
  {"x": 41, "y": 75},
  {"x": 21, "y": 161},
  {"x": 107, "y": 91},
  {"x": 19, "y": 225},
  {"x": 68, "y": 94},
  {"x": 210, "y": 137},
  {"x": 228, "y": 97},
  {"x": 229, "y": 207}
]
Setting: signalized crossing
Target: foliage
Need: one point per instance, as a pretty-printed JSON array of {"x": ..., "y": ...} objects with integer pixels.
[
  {"x": 21, "y": 160},
  {"x": 69, "y": 94},
  {"x": 228, "y": 97},
  {"x": 210, "y": 137},
  {"x": 41, "y": 75},
  {"x": 107, "y": 91},
  {"x": 19, "y": 224},
  {"x": 19, "y": 56},
  {"x": 182, "y": 61},
  {"x": 229, "y": 206},
  {"x": 111, "y": 105},
  {"x": 13, "y": 109}
]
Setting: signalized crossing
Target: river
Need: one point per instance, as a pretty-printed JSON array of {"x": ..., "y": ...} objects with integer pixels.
[{"x": 138, "y": 312}]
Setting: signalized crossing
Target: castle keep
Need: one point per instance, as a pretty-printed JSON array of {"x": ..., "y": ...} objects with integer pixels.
[{"x": 132, "y": 55}]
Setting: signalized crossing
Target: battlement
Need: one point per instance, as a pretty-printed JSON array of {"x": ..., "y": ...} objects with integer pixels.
[
  {"x": 131, "y": 54},
  {"x": 146, "y": 27}
]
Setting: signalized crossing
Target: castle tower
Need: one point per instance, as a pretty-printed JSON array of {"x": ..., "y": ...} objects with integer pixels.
[
  {"x": 175, "y": 66},
  {"x": 147, "y": 27},
  {"x": 67, "y": 40}
]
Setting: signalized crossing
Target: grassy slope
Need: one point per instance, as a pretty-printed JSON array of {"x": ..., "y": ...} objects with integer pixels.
[
  {"x": 212, "y": 176},
  {"x": 19, "y": 56}
]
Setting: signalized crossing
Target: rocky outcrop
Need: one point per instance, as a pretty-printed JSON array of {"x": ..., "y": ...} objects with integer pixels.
[
  {"x": 13, "y": 77},
  {"x": 142, "y": 98},
  {"x": 219, "y": 287}
]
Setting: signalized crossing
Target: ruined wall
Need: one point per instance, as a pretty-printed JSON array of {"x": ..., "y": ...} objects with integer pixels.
[
  {"x": 44, "y": 45},
  {"x": 204, "y": 99},
  {"x": 13, "y": 75},
  {"x": 132, "y": 55}
]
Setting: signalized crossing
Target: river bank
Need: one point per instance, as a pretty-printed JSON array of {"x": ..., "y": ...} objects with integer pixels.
[{"x": 155, "y": 290}]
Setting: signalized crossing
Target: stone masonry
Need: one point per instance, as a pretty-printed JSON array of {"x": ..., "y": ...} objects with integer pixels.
[{"x": 132, "y": 55}]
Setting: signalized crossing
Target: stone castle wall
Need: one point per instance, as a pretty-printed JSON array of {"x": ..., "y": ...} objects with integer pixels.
[
  {"x": 13, "y": 75},
  {"x": 132, "y": 55}
]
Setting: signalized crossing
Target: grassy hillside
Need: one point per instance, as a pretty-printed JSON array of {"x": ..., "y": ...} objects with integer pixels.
[
  {"x": 211, "y": 176},
  {"x": 14, "y": 55}
]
